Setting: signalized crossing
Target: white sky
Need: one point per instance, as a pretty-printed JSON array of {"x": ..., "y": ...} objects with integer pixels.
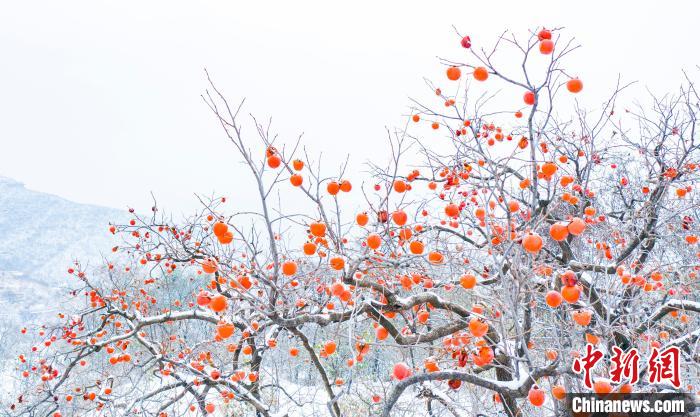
[{"x": 99, "y": 100}]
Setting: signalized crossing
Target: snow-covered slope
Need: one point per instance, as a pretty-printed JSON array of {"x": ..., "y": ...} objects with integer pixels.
[{"x": 40, "y": 236}]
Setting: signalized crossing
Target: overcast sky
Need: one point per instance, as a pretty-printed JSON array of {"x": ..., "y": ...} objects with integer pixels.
[{"x": 99, "y": 100}]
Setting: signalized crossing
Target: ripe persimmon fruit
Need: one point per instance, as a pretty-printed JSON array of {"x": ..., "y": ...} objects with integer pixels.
[
  {"x": 454, "y": 73},
  {"x": 481, "y": 74},
  {"x": 574, "y": 85}
]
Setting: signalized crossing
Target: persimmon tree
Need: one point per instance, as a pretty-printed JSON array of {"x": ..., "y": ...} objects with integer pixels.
[{"x": 501, "y": 237}]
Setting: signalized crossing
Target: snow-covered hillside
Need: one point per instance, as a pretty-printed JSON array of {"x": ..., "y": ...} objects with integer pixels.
[{"x": 40, "y": 236}]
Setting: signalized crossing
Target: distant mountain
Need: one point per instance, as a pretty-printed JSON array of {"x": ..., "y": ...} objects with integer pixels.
[{"x": 41, "y": 234}]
